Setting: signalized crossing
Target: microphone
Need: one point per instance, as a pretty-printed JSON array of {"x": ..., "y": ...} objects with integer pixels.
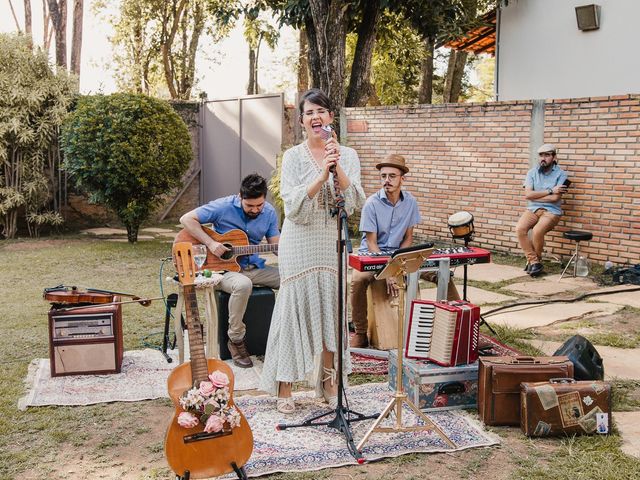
[{"x": 326, "y": 132}]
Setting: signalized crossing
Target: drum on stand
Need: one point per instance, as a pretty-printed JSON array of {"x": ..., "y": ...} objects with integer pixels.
[{"x": 461, "y": 225}]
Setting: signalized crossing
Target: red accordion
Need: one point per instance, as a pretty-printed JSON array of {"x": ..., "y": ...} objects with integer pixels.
[{"x": 445, "y": 333}]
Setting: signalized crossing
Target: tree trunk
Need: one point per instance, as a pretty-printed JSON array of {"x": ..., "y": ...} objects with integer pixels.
[
  {"x": 15, "y": 17},
  {"x": 46, "y": 32},
  {"x": 28, "y": 28},
  {"x": 76, "y": 41},
  {"x": 314, "y": 63},
  {"x": 132, "y": 233},
  {"x": 303, "y": 62},
  {"x": 425, "y": 94},
  {"x": 359, "y": 89},
  {"x": 252, "y": 71},
  {"x": 58, "y": 12},
  {"x": 171, "y": 19},
  {"x": 453, "y": 80},
  {"x": 330, "y": 38}
]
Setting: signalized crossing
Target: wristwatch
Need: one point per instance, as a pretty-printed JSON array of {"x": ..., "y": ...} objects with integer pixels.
[{"x": 550, "y": 190}]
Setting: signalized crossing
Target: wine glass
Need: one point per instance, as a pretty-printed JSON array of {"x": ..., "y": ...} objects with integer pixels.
[{"x": 199, "y": 256}]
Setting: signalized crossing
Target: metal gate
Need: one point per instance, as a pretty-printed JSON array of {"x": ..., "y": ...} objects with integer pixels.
[{"x": 239, "y": 136}]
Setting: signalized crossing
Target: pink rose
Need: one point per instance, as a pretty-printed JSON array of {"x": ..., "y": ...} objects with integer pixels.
[
  {"x": 187, "y": 420},
  {"x": 214, "y": 424},
  {"x": 440, "y": 401},
  {"x": 219, "y": 379},
  {"x": 207, "y": 389}
]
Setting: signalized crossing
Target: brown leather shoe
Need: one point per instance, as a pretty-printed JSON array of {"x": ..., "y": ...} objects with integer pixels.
[
  {"x": 239, "y": 354},
  {"x": 359, "y": 340}
]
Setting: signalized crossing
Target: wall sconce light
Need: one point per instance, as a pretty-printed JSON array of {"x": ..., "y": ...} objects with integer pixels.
[{"x": 588, "y": 17}]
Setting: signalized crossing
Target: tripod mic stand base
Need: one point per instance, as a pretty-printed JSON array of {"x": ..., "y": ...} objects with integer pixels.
[
  {"x": 398, "y": 400},
  {"x": 340, "y": 422}
]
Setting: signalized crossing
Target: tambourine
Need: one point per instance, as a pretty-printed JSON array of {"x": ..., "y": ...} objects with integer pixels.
[{"x": 461, "y": 225}]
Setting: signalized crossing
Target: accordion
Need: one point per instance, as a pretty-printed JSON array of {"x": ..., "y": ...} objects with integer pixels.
[{"x": 445, "y": 333}]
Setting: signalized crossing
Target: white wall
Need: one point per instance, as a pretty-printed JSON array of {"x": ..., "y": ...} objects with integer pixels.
[{"x": 542, "y": 54}]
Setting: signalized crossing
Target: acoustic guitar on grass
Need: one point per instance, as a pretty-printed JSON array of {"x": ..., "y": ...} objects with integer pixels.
[
  {"x": 235, "y": 240},
  {"x": 208, "y": 435}
]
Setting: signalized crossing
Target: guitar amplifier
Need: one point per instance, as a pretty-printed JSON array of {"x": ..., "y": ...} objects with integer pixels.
[
  {"x": 86, "y": 341},
  {"x": 257, "y": 319}
]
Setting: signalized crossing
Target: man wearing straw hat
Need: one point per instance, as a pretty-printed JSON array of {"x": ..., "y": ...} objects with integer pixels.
[
  {"x": 386, "y": 223},
  {"x": 544, "y": 187}
]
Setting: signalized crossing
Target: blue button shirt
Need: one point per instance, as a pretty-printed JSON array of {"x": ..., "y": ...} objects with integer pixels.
[
  {"x": 226, "y": 214},
  {"x": 390, "y": 222},
  {"x": 544, "y": 181}
]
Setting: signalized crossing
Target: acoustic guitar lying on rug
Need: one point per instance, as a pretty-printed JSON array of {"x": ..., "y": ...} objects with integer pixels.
[
  {"x": 208, "y": 435},
  {"x": 235, "y": 240}
]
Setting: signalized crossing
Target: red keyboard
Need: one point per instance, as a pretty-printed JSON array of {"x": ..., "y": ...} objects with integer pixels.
[{"x": 457, "y": 256}]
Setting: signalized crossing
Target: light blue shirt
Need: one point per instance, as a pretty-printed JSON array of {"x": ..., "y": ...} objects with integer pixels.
[
  {"x": 226, "y": 214},
  {"x": 389, "y": 222},
  {"x": 543, "y": 181}
]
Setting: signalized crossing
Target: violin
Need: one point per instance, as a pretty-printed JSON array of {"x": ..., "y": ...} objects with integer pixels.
[{"x": 73, "y": 294}]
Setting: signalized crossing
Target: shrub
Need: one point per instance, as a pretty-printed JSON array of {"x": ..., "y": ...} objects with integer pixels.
[
  {"x": 34, "y": 102},
  {"x": 126, "y": 151}
]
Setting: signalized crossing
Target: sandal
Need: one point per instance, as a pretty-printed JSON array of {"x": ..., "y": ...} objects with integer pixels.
[
  {"x": 330, "y": 374},
  {"x": 285, "y": 405}
]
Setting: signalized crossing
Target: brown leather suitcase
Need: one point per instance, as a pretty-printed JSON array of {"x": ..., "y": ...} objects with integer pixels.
[
  {"x": 563, "y": 406},
  {"x": 499, "y": 380}
]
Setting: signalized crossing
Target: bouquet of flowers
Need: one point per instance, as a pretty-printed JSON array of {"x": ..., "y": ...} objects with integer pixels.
[{"x": 208, "y": 404}]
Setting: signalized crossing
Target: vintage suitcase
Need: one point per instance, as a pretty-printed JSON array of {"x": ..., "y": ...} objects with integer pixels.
[
  {"x": 499, "y": 381},
  {"x": 432, "y": 387},
  {"x": 587, "y": 362},
  {"x": 257, "y": 318},
  {"x": 563, "y": 406}
]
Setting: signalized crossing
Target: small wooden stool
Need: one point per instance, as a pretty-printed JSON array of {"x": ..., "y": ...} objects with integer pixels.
[{"x": 577, "y": 236}]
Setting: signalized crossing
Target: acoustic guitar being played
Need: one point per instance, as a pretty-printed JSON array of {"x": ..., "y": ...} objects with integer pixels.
[
  {"x": 235, "y": 240},
  {"x": 208, "y": 435}
]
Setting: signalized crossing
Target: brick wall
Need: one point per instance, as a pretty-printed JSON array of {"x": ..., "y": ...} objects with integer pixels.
[{"x": 474, "y": 157}]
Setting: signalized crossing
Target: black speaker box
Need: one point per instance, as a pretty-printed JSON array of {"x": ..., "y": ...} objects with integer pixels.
[
  {"x": 587, "y": 362},
  {"x": 257, "y": 319}
]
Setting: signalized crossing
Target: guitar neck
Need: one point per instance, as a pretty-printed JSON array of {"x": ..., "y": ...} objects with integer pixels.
[
  {"x": 251, "y": 249},
  {"x": 199, "y": 370}
]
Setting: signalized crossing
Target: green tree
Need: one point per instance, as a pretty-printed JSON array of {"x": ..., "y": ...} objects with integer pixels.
[
  {"x": 158, "y": 39},
  {"x": 126, "y": 151},
  {"x": 33, "y": 104}
]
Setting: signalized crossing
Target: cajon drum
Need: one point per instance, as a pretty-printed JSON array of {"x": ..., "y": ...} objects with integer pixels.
[{"x": 382, "y": 316}]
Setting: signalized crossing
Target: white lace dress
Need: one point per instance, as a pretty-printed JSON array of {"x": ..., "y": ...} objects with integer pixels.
[{"x": 305, "y": 314}]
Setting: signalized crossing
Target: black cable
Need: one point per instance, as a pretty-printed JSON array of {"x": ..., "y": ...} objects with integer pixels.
[{"x": 558, "y": 300}]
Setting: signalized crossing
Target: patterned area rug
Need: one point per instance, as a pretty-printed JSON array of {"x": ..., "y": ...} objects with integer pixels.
[
  {"x": 143, "y": 377},
  {"x": 284, "y": 451},
  {"x": 378, "y": 366}
]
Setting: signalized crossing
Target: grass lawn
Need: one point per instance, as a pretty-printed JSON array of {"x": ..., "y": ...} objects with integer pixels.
[{"x": 125, "y": 440}]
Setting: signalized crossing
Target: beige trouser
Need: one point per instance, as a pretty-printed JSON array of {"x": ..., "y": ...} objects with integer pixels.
[
  {"x": 360, "y": 282},
  {"x": 540, "y": 223},
  {"x": 239, "y": 286}
]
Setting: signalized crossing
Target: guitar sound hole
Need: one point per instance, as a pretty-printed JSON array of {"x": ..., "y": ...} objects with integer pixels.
[{"x": 228, "y": 254}]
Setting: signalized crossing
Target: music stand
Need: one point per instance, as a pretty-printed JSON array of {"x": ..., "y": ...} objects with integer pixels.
[{"x": 403, "y": 262}]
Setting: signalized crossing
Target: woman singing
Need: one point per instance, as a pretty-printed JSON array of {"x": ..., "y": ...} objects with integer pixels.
[{"x": 303, "y": 336}]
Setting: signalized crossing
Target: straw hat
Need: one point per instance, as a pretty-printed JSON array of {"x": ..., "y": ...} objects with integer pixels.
[{"x": 394, "y": 160}]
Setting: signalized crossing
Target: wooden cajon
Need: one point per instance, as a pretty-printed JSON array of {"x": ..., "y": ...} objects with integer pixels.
[{"x": 382, "y": 316}]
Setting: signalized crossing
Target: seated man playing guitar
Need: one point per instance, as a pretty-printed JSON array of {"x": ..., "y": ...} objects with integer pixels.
[
  {"x": 386, "y": 223},
  {"x": 252, "y": 214}
]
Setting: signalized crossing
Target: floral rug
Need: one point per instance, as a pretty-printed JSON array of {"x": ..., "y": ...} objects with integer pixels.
[
  {"x": 323, "y": 447},
  {"x": 143, "y": 377},
  {"x": 378, "y": 366}
]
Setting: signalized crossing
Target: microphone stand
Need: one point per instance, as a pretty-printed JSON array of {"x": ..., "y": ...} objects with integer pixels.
[{"x": 343, "y": 416}]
